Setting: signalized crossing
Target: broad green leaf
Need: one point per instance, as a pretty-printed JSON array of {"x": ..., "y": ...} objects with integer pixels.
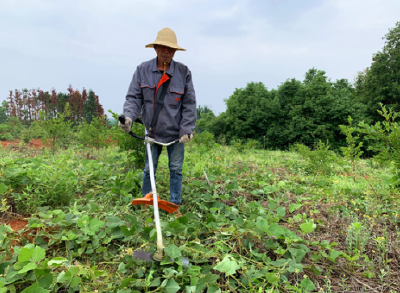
[
  {"x": 46, "y": 281},
  {"x": 228, "y": 265},
  {"x": 169, "y": 273},
  {"x": 272, "y": 205},
  {"x": 213, "y": 289},
  {"x": 272, "y": 278},
  {"x": 270, "y": 189},
  {"x": 172, "y": 286},
  {"x": 190, "y": 289},
  {"x": 35, "y": 288},
  {"x": 281, "y": 211},
  {"x": 3, "y": 188},
  {"x": 96, "y": 224},
  {"x": 276, "y": 230},
  {"x": 298, "y": 254},
  {"x": 197, "y": 183},
  {"x": 75, "y": 281},
  {"x": 308, "y": 227},
  {"x": 14, "y": 172},
  {"x": 294, "y": 207},
  {"x": 128, "y": 232},
  {"x": 262, "y": 224},
  {"x": 316, "y": 270},
  {"x": 84, "y": 221},
  {"x": 25, "y": 254},
  {"x": 173, "y": 251},
  {"x": 122, "y": 268},
  {"x": 73, "y": 270},
  {"x": 57, "y": 261},
  {"x": 126, "y": 282},
  {"x": 307, "y": 284},
  {"x": 211, "y": 278},
  {"x": 155, "y": 283},
  {"x": 3, "y": 229},
  {"x": 28, "y": 267},
  {"x": 334, "y": 253},
  {"x": 38, "y": 254}
]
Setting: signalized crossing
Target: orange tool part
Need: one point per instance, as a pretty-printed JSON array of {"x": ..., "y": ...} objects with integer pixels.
[{"x": 162, "y": 204}]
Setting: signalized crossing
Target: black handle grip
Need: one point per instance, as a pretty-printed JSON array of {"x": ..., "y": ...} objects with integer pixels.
[{"x": 121, "y": 119}]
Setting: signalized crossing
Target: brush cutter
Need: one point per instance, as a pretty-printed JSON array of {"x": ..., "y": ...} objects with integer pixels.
[{"x": 153, "y": 199}]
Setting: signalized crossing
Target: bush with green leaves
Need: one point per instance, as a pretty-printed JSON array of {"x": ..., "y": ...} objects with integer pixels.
[
  {"x": 15, "y": 126},
  {"x": 94, "y": 134},
  {"x": 319, "y": 160},
  {"x": 204, "y": 140},
  {"x": 252, "y": 144},
  {"x": 26, "y": 135},
  {"x": 385, "y": 139},
  {"x": 353, "y": 149},
  {"x": 5, "y": 132},
  {"x": 134, "y": 146},
  {"x": 57, "y": 131}
]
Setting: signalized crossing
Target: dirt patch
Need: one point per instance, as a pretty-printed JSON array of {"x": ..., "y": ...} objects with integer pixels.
[
  {"x": 17, "y": 224},
  {"x": 34, "y": 143}
]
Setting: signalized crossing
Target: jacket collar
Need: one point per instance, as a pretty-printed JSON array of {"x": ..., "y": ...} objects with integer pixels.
[{"x": 170, "y": 70}]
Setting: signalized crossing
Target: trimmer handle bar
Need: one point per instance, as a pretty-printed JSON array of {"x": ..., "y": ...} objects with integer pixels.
[{"x": 147, "y": 139}]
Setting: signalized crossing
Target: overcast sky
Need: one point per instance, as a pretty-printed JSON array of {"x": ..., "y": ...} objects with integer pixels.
[{"x": 97, "y": 44}]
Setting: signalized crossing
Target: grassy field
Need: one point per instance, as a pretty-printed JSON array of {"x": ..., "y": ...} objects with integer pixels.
[{"x": 254, "y": 221}]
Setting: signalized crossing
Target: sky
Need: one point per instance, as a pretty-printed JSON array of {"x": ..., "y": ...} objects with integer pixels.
[{"x": 97, "y": 44}]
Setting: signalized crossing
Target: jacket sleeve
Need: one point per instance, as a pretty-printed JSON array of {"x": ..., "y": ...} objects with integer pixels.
[
  {"x": 134, "y": 98},
  {"x": 188, "y": 121}
]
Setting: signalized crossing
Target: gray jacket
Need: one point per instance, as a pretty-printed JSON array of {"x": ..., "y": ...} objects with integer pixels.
[{"x": 178, "y": 115}]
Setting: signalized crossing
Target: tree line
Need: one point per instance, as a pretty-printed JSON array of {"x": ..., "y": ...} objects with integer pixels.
[
  {"x": 311, "y": 110},
  {"x": 26, "y": 105}
]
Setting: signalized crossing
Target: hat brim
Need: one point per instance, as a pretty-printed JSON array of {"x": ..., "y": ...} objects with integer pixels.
[{"x": 167, "y": 44}]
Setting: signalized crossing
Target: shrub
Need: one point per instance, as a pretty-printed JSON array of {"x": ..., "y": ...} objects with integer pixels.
[
  {"x": 204, "y": 138},
  {"x": 134, "y": 146},
  {"x": 26, "y": 135},
  {"x": 252, "y": 144},
  {"x": 6, "y": 136},
  {"x": 93, "y": 134},
  {"x": 319, "y": 160},
  {"x": 57, "y": 132}
]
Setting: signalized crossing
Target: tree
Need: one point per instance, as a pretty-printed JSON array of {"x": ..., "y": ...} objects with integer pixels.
[
  {"x": 204, "y": 118},
  {"x": 244, "y": 117},
  {"x": 353, "y": 149},
  {"x": 385, "y": 136},
  {"x": 380, "y": 83},
  {"x": 3, "y": 112},
  {"x": 319, "y": 107},
  {"x": 26, "y": 105},
  {"x": 89, "y": 107},
  {"x": 202, "y": 111},
  {"x": 93, "y": 134},
  {"x": 56, "y": 131}
]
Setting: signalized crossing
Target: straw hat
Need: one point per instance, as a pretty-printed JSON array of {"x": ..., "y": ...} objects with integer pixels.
[{"x": 166, "y": 37}]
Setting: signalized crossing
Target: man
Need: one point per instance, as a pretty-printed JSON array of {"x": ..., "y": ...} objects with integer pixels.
[{"x": 177, "y": 117}]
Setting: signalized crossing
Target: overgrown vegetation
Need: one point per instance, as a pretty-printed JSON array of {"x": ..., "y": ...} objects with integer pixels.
[
  {"x": 253, "y": 220},
  {"x": 316, "y": 217}
]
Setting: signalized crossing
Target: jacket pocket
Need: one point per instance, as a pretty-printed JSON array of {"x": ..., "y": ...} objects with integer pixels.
[
  {"x": 148, "y": 91},
  {"x": 176, "y": 95}
]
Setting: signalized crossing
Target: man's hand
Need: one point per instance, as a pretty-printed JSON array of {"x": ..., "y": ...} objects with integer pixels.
[
  {"x": 127, "y": 126},
  {"x": 185, "y": 138}
]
